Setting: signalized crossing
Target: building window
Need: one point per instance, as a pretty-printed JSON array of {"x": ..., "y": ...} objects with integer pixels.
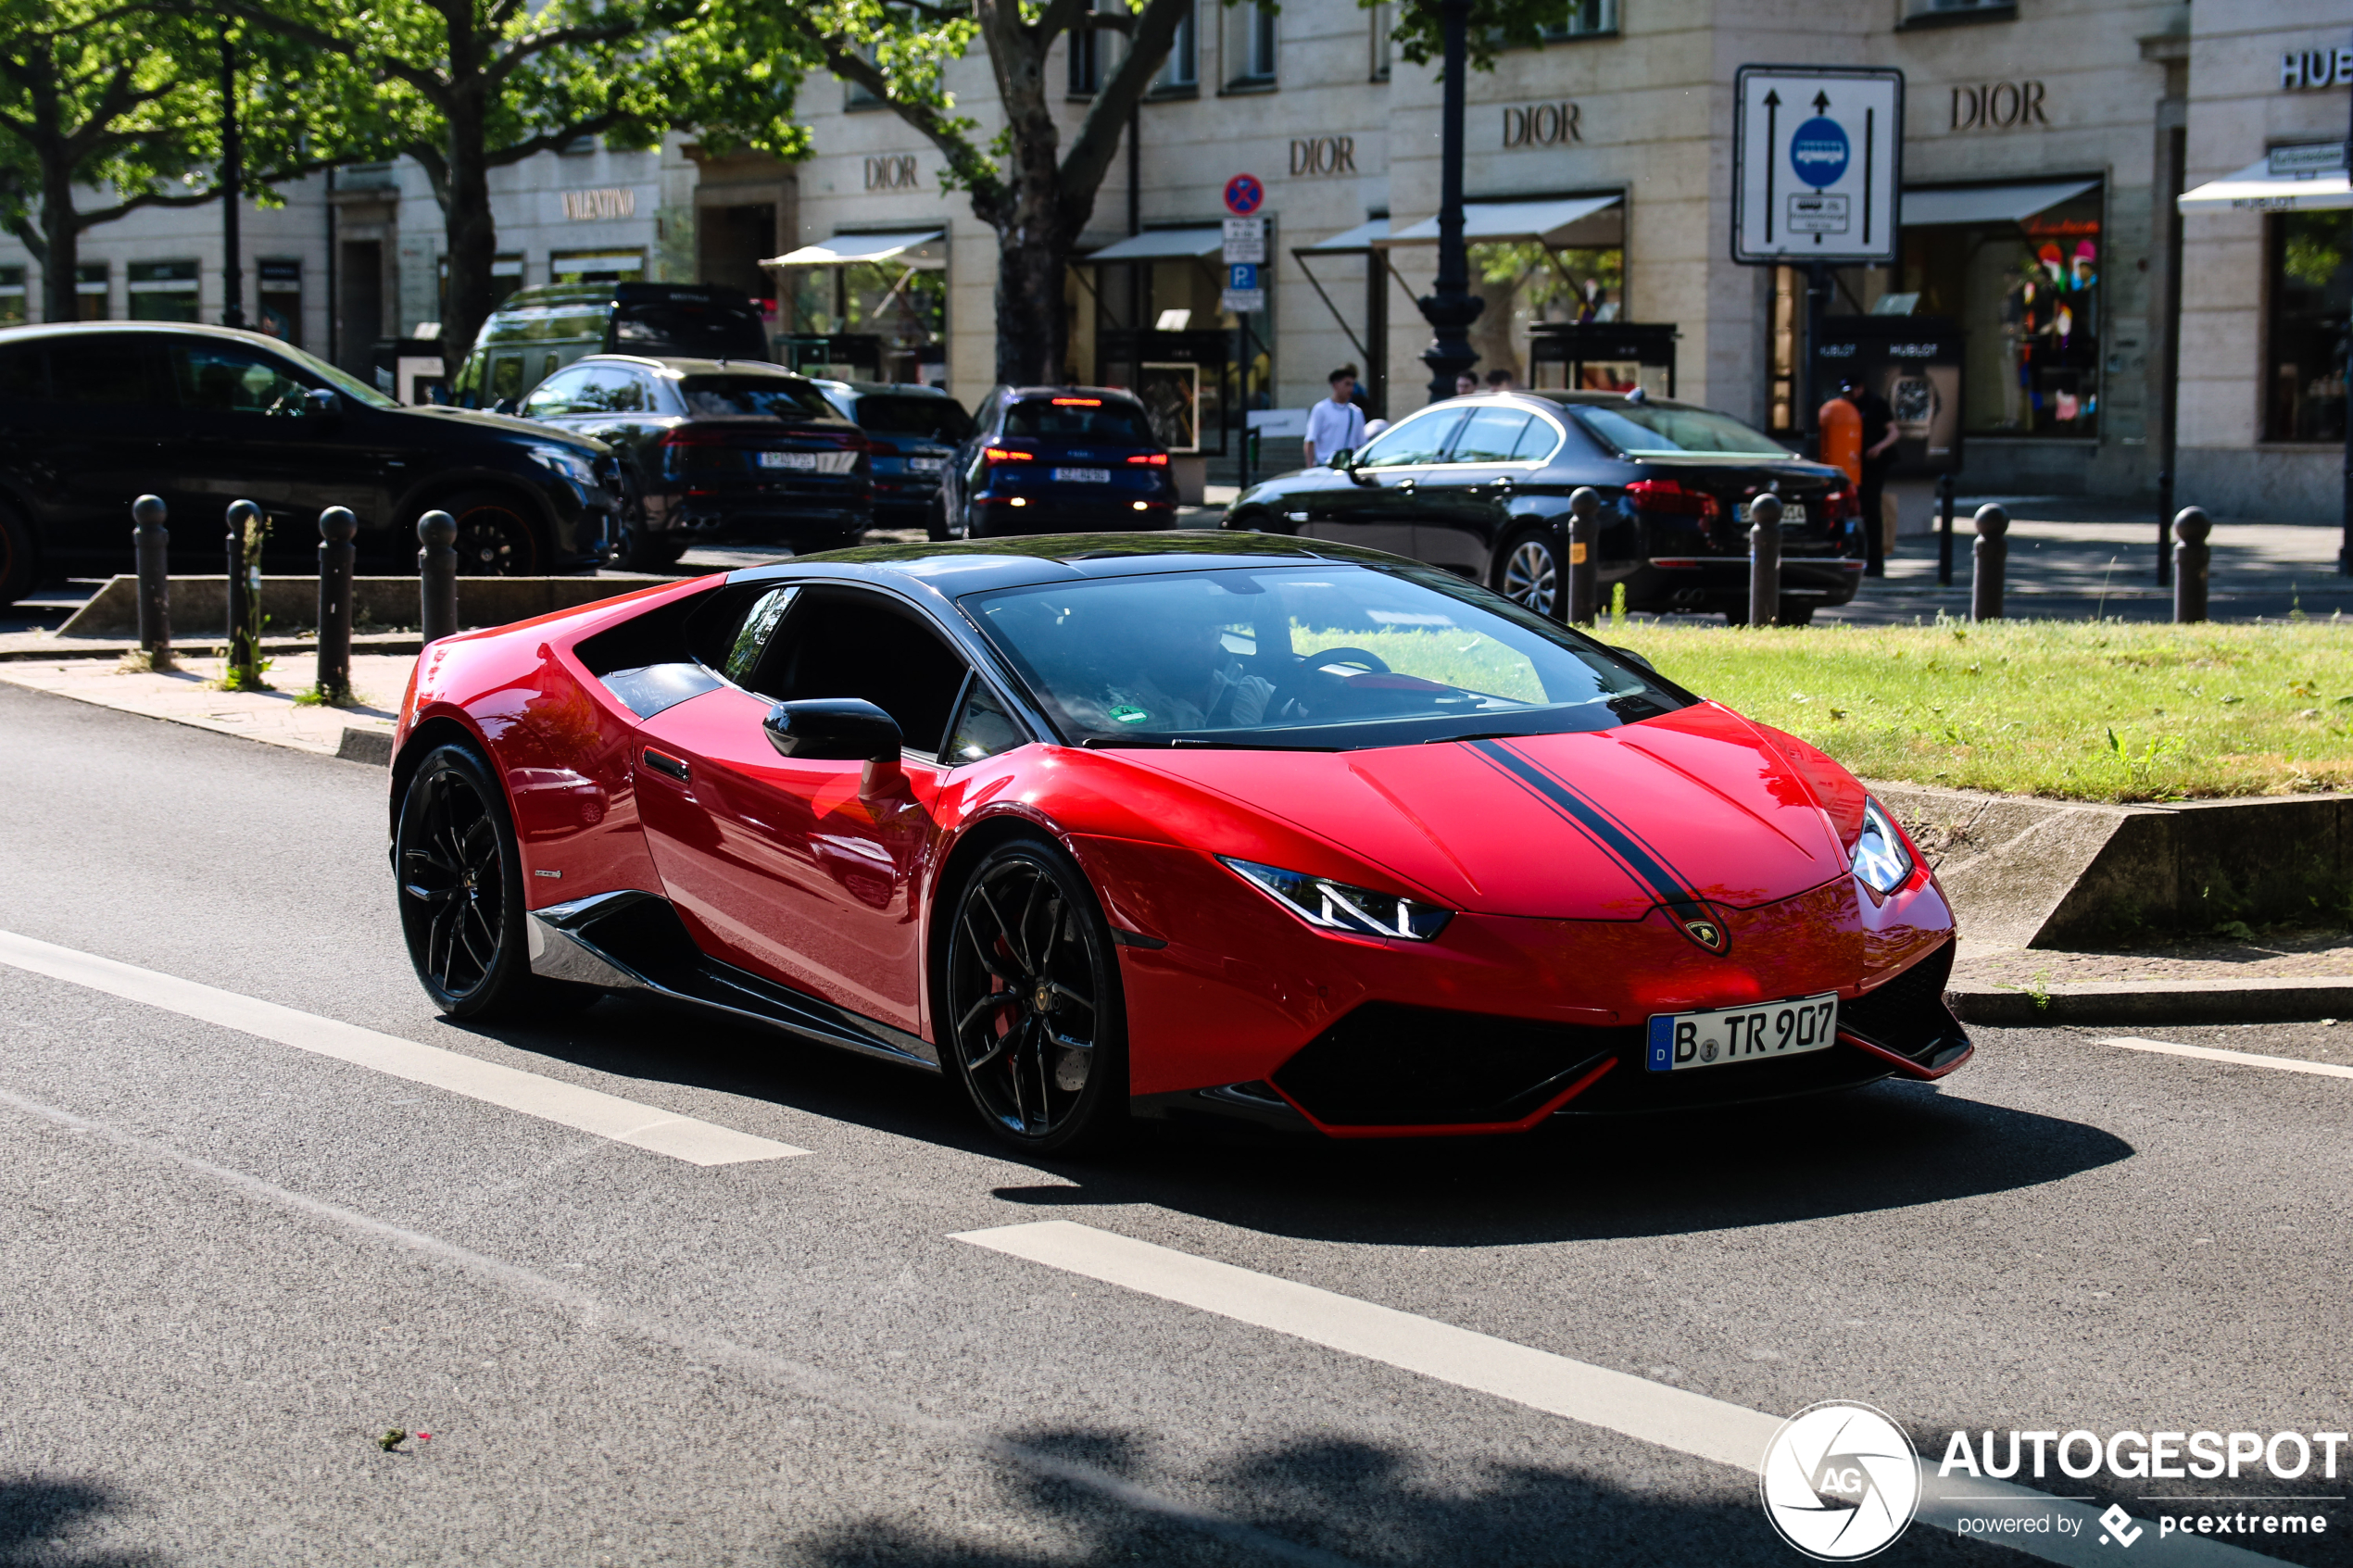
[
  {"x": 1254, "y": 41},
  {"x": 12, "y": 296},
  {"x": 1583, "y": 19},
  {"x": 855, "y": 95},
  {"x": 1183, "y": 69},
  {"x": 91, "y": 292},
  {"x": 2028, "y": 298},
  {"x": 163, "y": 291},
  {"x": 1384, "y": 48},
  {"x": 278, "y": 292},
  {"x": 2310, "y": 291},
  {"x": 594, "y": 266},
  {"x": 1091, "y": 53}
]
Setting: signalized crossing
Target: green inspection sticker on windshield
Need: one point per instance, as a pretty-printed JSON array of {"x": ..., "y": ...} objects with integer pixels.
[{"x": 1127, "y": 715}]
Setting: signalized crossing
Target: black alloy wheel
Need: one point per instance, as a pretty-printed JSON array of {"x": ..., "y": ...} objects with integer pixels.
[
  {"x": 1529, "y": 574},
  {"x": 1037, "y": 1030},
  {"x": 494, "y": 538},
  {"x": 460, "y": 880}
]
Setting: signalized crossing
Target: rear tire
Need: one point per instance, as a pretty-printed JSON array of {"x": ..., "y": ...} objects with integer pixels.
[
  {"x": 936, "y": 521},
  {"x": 495, "y": 537},
  {"x": 1527, "y": 570},
  {"x": 19, "y": 576}
]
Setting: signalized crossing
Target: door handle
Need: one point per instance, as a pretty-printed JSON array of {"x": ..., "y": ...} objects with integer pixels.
[
  {"x": 1407, "y": 485},
  {"x": 663, "y": 762},
  {"x": 1503, "y": 482}
]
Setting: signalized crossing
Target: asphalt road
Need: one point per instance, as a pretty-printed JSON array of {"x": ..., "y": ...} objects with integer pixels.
[{"x": 228, "y": 1263}]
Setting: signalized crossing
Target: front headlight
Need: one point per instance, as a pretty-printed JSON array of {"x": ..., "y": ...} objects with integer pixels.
[
  {"x": 573, "y": 465},
  {"x": 1335, "y": 906},
  {"x": 1880, "y": 861}
]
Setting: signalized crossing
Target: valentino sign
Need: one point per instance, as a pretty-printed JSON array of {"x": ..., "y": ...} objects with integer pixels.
[{"x": 1542, "y": 125}]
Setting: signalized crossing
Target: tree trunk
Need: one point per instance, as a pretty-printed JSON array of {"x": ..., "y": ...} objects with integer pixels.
[
  {"x": 1033, "y": 320},
  {"x": 61, "y": 238},
  {"x": 470, "y": 233}
]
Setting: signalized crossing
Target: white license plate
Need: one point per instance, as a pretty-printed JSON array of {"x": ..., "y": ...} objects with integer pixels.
[
  {"x": 1792, "y": 512},
  {"x": 1682, "y": 1040},
  {"x": 926, "y": 465},
  {"x": 805, "y": 461},
  {"x": 1082, "y": 476}
]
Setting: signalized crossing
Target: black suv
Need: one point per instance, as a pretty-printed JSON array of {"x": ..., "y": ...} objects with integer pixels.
[
  {"x": 911, "y": 432},
  {"x": 95, "y": 414}
]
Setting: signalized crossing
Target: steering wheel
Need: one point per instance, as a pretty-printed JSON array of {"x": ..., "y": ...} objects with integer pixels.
[{"x": 1310, "y": 665}]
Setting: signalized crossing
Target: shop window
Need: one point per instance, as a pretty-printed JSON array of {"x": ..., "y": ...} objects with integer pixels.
[
  {"x": 885, "y": 320},
  {"x": 1526, "y": 282},
  {"x": 595, "y": 266},
  {"x": 2029, "y": 300},
  {"x": 91, "y": 292},
  {"x": 278, "y": 295},
  {"x": 163, "y": 291},
  {"x": 1183, "y": 68},
  {"x": 1583, "y": 19},
  {"x": 1253, "y": 44},
  {"x": 2307, "y": 300},
  {"x": 1384, "y": 46},
  {"x": 12, "y": 296}
]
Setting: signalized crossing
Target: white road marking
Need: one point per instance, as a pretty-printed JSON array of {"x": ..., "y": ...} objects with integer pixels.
[
  {"x": 567, "y": 1105},
  {"x": 1616, "y": 1401},
  {"x": 2240, "y": 1059}
]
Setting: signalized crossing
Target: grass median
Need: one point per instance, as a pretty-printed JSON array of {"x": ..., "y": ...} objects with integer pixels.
[{"x": 2080, "y": 710}]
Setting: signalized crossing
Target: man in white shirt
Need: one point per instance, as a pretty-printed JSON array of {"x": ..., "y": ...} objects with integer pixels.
[{"x": 1336, "y": 422}]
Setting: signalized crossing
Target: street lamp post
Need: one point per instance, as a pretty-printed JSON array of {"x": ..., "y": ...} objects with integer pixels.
[
  {"x": 233, "y": 179},
  {"x": 2344, "y": 550},
  {"x": 1449, "y": 306}
]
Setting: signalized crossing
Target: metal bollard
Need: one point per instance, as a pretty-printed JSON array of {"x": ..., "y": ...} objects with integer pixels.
[
  {"x": 1583, "y": 599},
  {"x": 2164, "y": 527},
  {"x": 1990, "y": 552},
  {"x": 243, "y": 668},
  {"x": 1944, "y": 532},
  {"x": 154, "y": 543},
  {"x": 2191, "y": 558},
  {"x": 1764, "y": 560},
  {"x": 438, "y": 574},
  {"x": 336, "y": 527}
]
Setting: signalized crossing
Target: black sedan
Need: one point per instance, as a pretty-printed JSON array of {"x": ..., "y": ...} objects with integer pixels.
[
  {"x": 1056, "y": 459},
  {"x": 911, "y": 432},
  {"x": 93, "y": 414},
  {"x": 715, "y": 451},
  {"x": 1479, "y": 485}
]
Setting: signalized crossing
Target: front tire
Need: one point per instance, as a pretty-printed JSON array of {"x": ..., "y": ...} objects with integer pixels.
[
  {"x": 460, "y": 871},
  {"x": 495, "y": 539},
  {"x": 1035, "y": 1028}
]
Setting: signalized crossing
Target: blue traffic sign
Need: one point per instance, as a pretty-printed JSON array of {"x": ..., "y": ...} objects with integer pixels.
[
  {"x": 1819, "y": 151},
  {"x": 1243, "y": 194},
  {"x": 1241, "y": 275}
]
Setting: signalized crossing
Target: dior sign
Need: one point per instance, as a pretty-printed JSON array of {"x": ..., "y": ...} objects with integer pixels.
[
  {"x": 893, "y": 172},
  {"x": 1998, "y": 106},
  {"x": 1542, "y": 125},
  {"x": 1311, "y": 156}
]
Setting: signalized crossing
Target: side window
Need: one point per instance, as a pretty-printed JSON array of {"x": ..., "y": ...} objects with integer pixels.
[
  {"x": 743, "y": 654},
  {"x": 1421, "y": 439},
  {"x": 24, "y": 375},
  {"x": 506, "y": 377},
  {"x": 1536, "y": 442},
  {"x": 113, "y": 369},
  {"x": 850, "y": 644},
  {"x": 556, "y": 395},
  {"x": 610, "y": 391},
  {"x": 1491, "y": 435},
  {"x": 228, "y": 378},
  {"x": 983, "y": 728}
]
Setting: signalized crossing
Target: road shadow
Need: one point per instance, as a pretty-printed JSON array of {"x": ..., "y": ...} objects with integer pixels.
[
  {"x": 40, "y": 1516},
  {"x": 1892, "y": 1145},
  {"x": 1342, "y": 1501}
]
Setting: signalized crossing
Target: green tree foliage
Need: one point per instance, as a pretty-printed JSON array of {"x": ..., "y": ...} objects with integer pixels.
[
  {"x": 466, "y": 86},
  {"x": 125, "y": 100}
]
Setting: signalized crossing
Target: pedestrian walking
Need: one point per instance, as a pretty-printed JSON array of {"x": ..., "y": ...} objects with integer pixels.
[
  {"x": 1878, "y": 455},
  {"x": 1335, "y": 424},
  {"x": 1500, "y": 379},
  {"x": 1465, "y": 384}
]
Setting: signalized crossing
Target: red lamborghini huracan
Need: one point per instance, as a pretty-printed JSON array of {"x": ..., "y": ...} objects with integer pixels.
[{"x": 1240, "y": 827}]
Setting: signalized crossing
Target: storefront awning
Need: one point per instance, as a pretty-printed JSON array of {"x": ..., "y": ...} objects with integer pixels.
[
  {"x": 1989, "y": 204},
  {"x": 1500, "y": 222},
  {"x": 2307, "y": 179},
  {"x": 1350, "y": 242},
  {"x": 843, "y": 248},
  {"x": 1164, "y": 244}
]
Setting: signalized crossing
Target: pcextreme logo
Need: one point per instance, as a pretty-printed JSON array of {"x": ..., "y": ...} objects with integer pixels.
[{"x": 1840, "y": 1481}]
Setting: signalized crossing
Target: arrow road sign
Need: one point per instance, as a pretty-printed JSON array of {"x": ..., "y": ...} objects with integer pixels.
[{"x": 1817, "y": 187}]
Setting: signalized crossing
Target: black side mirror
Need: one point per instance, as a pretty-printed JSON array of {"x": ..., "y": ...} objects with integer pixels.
[
  {"x": 835, "y": 729},
  {"x": 1343, "y": 459}
]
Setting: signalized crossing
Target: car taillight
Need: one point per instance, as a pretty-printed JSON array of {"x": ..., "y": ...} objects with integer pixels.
[
  {"x": 1079, "y": 402},
  {"x": 1666, "y": 495},
  {"x": 1840, "y": 504},
  {"x": 693, "y": 435},
  {"x": 1156, "y": 459},
  {"x": 1007, "y": 454},
  {"x": 882, "y": 449}
]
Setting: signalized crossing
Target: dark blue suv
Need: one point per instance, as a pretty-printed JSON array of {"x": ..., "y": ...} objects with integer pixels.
[{"x": 1056, "y": 459}]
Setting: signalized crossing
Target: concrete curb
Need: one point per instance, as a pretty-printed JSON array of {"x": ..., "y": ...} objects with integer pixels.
[
  {"x": 371, "y": 747},
  {"x": 2290, "y": 1000},
  {"x": 113, "y": 611}
]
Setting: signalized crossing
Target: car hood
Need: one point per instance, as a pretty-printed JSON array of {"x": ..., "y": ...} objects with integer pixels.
[{"x": 1698, "y": 805}]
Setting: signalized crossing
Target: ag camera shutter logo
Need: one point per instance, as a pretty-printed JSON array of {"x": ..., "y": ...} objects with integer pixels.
[{"x": 1840, "y": 1481}]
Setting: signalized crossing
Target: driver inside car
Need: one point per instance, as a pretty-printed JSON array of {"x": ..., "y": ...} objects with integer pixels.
[{"x": 1172, "y": 670}]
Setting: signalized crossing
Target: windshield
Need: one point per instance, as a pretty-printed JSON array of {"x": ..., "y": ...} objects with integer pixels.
[
  {"x": 1657, "y": 430},
  {"x": 937, "y": 419},
  {"x": 687, "y": 329},
  {"x": 1081, "y": 419},
  {"x": 1326, "y": 657},
  {"x": 773, "y": 397}
]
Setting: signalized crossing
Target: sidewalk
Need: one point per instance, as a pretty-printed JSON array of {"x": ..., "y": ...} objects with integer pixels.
[{"x": 188, "y": 696}]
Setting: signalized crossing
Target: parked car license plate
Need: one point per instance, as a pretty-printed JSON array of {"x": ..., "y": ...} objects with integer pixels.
[
  {"x": 1680, "y": 1041},
  {"x": 1082, "y": 476},
  {"x": 805, "y": 461},
  {"x": 926, "y": 465},
  {"x": 1791, "y": 512}
]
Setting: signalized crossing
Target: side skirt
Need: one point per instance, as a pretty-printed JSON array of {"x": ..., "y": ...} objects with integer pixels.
[{"x": 635, "y": 941}]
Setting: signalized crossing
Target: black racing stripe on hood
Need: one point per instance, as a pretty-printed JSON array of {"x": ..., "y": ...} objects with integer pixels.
[{"x": 1621, "y": 845}]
